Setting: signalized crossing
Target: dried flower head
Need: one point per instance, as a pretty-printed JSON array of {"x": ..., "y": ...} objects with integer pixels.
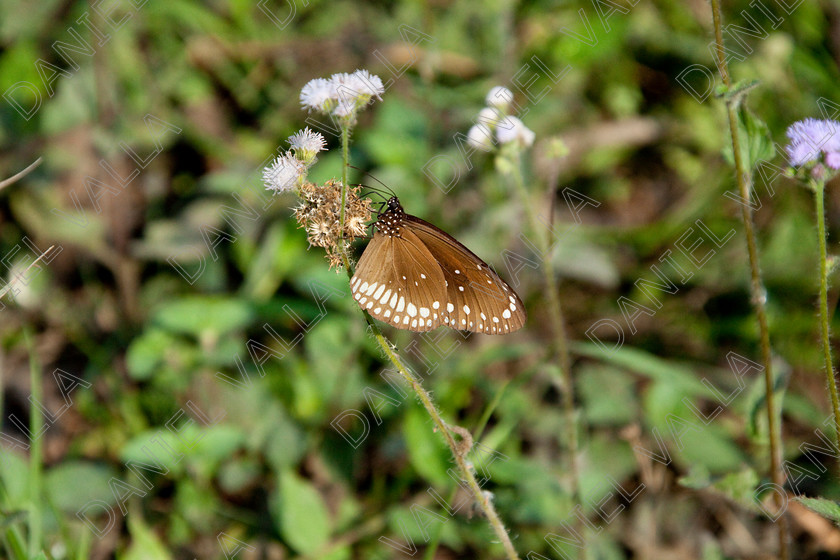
[
  {"x": 812, "y": 138},
  {"x": 320, "y": 214}
]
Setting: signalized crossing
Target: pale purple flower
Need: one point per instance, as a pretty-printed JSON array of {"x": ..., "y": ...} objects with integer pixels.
[
  {"x": 812, "y": 137},
  {"x": 511, "y": 129},
  {"x": 480, "y": 137},
  {"x": 284, "y": 173},
  {"x": 499, "y": 97}
]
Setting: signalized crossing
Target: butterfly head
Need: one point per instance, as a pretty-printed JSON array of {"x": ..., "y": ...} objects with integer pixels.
[
  {"x": 394, "y": 205},
  {"x": 390, "y": 221}
]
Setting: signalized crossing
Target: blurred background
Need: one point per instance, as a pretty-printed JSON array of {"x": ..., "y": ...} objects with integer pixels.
[{"x": 204, "y": 387}]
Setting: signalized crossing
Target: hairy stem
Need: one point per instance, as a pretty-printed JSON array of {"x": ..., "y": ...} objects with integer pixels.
[
  {"x": 819, "y": 197},
  {"x": 756, "y": 287}
]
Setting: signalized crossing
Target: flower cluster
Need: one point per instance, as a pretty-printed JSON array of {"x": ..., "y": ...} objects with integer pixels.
[
  {"x": 288, "y": 171},
  {"x": 495, "y": 126},
  {"x": 342, "y": 95},
  {"x": 319, "y": 214},
  {"x": 814, "y": 141}
]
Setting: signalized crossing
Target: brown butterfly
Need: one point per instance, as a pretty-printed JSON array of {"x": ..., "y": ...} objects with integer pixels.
[{"x": 415, "y": 276}]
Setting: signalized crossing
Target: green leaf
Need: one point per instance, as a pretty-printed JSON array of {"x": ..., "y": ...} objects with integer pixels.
[
  {"x": 146, "y": 353},
  {"x": 301, "y": 514},
  {"x": 426, "y": 449},
  {"x": 204, "y": 315},
  {"x": 73, "y": 484},
  {"x": 827, "y": 508},
  {"x": 673, "y": 373},
  {"x": 145, "y": 544},
  {"x": 754, "y": 138}
]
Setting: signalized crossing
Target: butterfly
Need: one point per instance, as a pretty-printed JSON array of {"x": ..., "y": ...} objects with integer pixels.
[{"x": 415, "y": 276}]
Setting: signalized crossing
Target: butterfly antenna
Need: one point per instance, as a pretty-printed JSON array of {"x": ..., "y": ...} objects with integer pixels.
[
  {"x": 372, "y": 190},
  {"x": 387, "y": 188}
]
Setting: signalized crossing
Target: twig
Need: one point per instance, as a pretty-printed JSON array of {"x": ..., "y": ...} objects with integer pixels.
[{"x": 18, "y": 176}]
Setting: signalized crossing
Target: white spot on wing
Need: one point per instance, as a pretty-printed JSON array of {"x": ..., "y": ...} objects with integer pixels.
[
  {"x": 378, "y": 293},
  {"x": 450, "y": 308},
  {"x": 436, "y": 305},
  {"x": 467, "y": 309},
  {"x": 401, "y": 304},
  {"x": 412, "y": 310},
  {"x": 506, "y": 314},
  {"x": 424, "y": 311}
]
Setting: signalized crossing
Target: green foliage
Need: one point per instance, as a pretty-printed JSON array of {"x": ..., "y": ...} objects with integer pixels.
[{"x": 217, "y": 349}]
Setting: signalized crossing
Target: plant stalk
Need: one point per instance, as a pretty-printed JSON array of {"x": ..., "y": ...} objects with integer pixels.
[
  {"x": 36, "y": 452},
  {"x": 460, "y": 456},
  {"x": 819, "y": 197},
  {"x": 756, "y": 289}
]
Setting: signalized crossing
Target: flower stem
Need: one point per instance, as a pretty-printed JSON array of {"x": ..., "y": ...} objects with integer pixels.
[
  {"x": 458, "y": 452},
  {"x": 757, "y": 291},
  {"x": 345, "y": 156},
  {"x": 819, "y": 197},
  {"x": 561, "y": 345},
  {"x": 36, "y": 453}
]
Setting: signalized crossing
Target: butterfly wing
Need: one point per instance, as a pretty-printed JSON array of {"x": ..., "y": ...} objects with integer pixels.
[
  {"x": 477, "y": 299},
  {"x": 398, "y": 281}
]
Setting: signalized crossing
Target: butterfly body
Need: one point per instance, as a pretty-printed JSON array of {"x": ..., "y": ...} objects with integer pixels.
[{"x": 415, "y": 276}]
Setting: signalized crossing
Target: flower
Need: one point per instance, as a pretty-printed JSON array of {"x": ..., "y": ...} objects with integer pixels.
[
  {"x": 343, "y": 94},
  {"x": 306, "y": 144},
  {"x": 284, "y": 173},
  {"x": 499, "y": 97},
  {"x": 812, "y": 137},
  {"x": 480, "y": 137},
  {"x": 489, "y": 116},
  {"x": 366, "y": 83},
  {"x": 317, "y": 94},
  {"x": 511, "y": 129}
]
